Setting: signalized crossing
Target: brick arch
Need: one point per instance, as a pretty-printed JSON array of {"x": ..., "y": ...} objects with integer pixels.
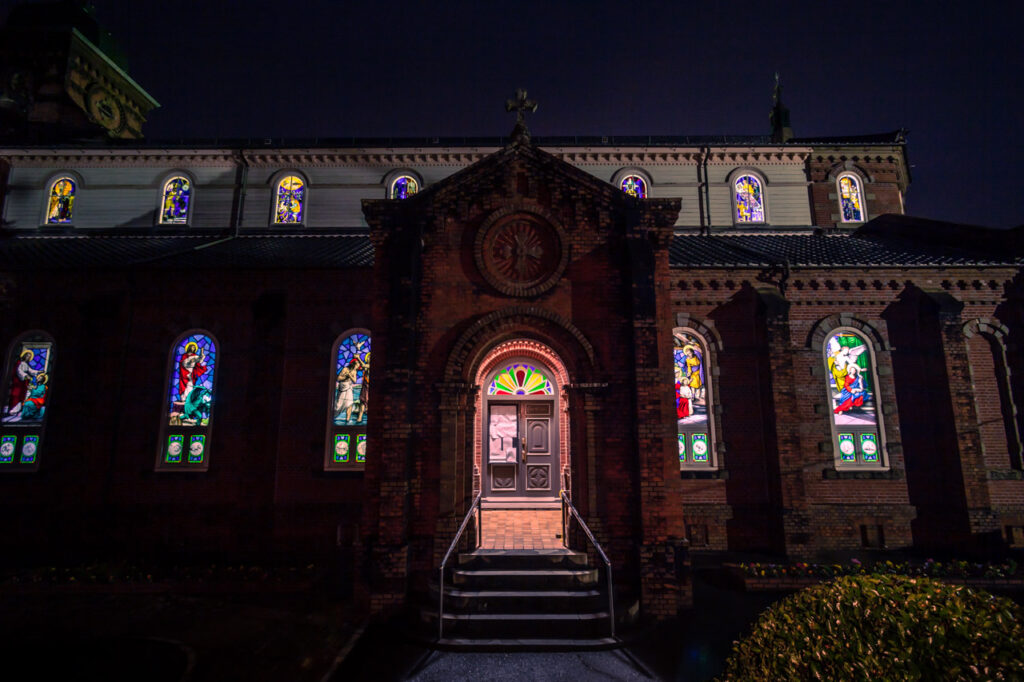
[
  {"x": 826, "y": 326},
  {"x": 532, "y": 322},
  {"x": 993, "y": 392}
]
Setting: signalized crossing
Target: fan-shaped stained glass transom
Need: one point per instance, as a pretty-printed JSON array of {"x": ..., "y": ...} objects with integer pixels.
[{"x": 520, "y": 379}]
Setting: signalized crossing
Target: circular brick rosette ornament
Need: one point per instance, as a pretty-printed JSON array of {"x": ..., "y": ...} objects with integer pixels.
[{"x": 520, "y": 253}]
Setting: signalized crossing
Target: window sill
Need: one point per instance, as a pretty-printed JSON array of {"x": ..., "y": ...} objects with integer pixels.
[
  {"x": 862, "y": 474},
  {"x": 1005, "y": 475},
  {"x": 704, "y": 474}
]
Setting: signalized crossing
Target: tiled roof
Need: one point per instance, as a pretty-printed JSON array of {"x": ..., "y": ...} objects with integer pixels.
[
  {"x": 40, "y": 252},
  {"x": 829, "y": 250}
]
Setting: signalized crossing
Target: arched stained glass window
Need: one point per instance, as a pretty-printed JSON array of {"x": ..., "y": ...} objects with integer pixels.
[
  {"x": 850, "y": 203},
  {"x": 404, "y": 186},
  {"x": 693, "y": 399},
  {"x": 30, "y": 368},
  {"x": 176, "y": 197},
  {"x": 634, "y": 186},
  {"x": 520, "y": 379},
  {"x": 749, "y": 199},
  {"x": 350, "y": 402},
  {"x": 190, "y": 398},
  {"x": 59, "y": 208},
  {"x": 290, "y": 202},
  {"x": 853, "y": 406}
]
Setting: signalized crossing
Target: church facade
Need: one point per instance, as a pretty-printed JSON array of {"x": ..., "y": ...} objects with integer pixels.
[{"x": 738, "y": 345}]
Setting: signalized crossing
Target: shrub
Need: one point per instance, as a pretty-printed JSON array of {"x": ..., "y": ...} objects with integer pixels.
[{"x": 883, "y": 627}]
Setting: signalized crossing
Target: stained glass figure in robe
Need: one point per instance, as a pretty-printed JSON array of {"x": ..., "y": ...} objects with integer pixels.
[
  {"x": 177, "y": 194},
  {"x": 190, "y": 386},
  {"x": 62, "y": 200},
  {"x": 29, "y": 383},
  {"x": 849, "y": 198},
  {"x": 352, "y": 383},
  {"x": 634, "y": 186},
  {"x": 690, "y": 381},
  {"x": 849, "y": 376},
  {"x": 520, "y": 379},
  {"x": 749, "y": 200},
  {"x": 291, "y": 196},
  {"x": 404, "y": 187}
]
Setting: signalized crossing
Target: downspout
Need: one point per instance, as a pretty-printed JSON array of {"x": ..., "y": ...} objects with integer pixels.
[
  {"x": 701, "y": 179},
  {"x": 707, "y": 188},
  {"x": 236, "y": 220}
]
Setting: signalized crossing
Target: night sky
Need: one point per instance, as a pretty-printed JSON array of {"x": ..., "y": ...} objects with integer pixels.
[{"x": 948, "y": 72}]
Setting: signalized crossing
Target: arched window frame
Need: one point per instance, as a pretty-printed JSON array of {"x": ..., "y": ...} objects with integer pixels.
[
  {"x": 185, "y": 431},
  {"x": 275, "y": 186},
  {"x": 16, "y": 433},
  {"x": 624, "y": 173},
  {"x": 823, "y": 334},
  {"x": 859, "y": 180},
  {"x": 734, "y": 178},
  {"x": 711, "y": 345},
  {"x": 353, "y": 432},
  {"x": 391, "y": 178},
  {"x": 75, "y": 203},
  {"x": 995, "y": 333},
  {"x": 161, "y": 191}
]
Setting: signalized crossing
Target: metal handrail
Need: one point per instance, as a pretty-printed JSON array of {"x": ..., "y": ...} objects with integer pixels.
[
  {"x": 568, "y": 506},
  {"x": 444, "y": 562}
]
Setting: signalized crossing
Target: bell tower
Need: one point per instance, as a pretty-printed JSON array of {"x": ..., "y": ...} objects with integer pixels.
[{"x": 63, "y": 79}]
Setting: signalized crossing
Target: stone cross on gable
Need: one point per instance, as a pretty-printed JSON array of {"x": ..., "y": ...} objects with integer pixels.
[{"x": 520, "y": 133}]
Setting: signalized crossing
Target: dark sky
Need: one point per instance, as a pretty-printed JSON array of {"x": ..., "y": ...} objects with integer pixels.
[{"x": 949, "y": 72}]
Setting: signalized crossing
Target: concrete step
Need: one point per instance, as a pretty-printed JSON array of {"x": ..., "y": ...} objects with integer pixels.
[
  {"x": 522, "y": 559},
  {"x": 521, "y": 579},
  {"x": 461, "y": 600},
  {"x": 498, "y": 644},
  {"x": 525, "y": 625}
]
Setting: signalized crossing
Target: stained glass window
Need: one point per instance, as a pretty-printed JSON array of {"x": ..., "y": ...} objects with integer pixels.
[
  {"x": 352, "y": 380},
  {"x": 25, "y": 407},
  {"x": 853, "y": 403},
  {"x": 404, "y": 187},
  {"x": 749, "y": 200},
  {"x": 350, "y": 403},
  {"x": 290, "y": 202},
  {"x": 177, "y": 195},
  {"x": 692, "y": 400},
  {"x": 190, "y": 387},
  {"x": 634, "y": 186},
  {"x": 190, "y": 398},
  {"x": 850, "y": 200},
  {"x": 61, "y": 203},
  {"x": 520, "y": 379}
]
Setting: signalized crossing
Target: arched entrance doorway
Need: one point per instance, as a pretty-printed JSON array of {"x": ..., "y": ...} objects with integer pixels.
[{"x": 521, "y": 457}]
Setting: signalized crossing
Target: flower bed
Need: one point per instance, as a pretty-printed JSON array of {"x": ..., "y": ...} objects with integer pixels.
[{"x": 768, "y": 576}]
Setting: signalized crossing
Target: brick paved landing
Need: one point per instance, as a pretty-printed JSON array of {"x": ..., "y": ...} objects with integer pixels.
[{"x": 522, "y": 529}]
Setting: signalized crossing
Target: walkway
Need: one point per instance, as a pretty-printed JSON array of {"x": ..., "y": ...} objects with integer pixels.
[{"x": 522, "y": 529}]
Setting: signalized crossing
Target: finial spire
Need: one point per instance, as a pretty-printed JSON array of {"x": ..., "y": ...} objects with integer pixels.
[
  {"x": 779, "y": 115},
  {"x": 520, "y": 133}
]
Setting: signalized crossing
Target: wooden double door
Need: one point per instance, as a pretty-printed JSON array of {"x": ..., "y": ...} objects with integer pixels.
[{"x": 521, "y": 449}]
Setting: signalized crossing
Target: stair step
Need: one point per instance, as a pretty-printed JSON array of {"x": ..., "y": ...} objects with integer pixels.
[
  {"x": 522, "y": 559},
  {"x": 518, "y": 578},
  {"x": 528, "y": 644},
  {"x": 525, "y": 594},
  {"x": 597, "y": 615},
  {"x": 529, "y": 625}
]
